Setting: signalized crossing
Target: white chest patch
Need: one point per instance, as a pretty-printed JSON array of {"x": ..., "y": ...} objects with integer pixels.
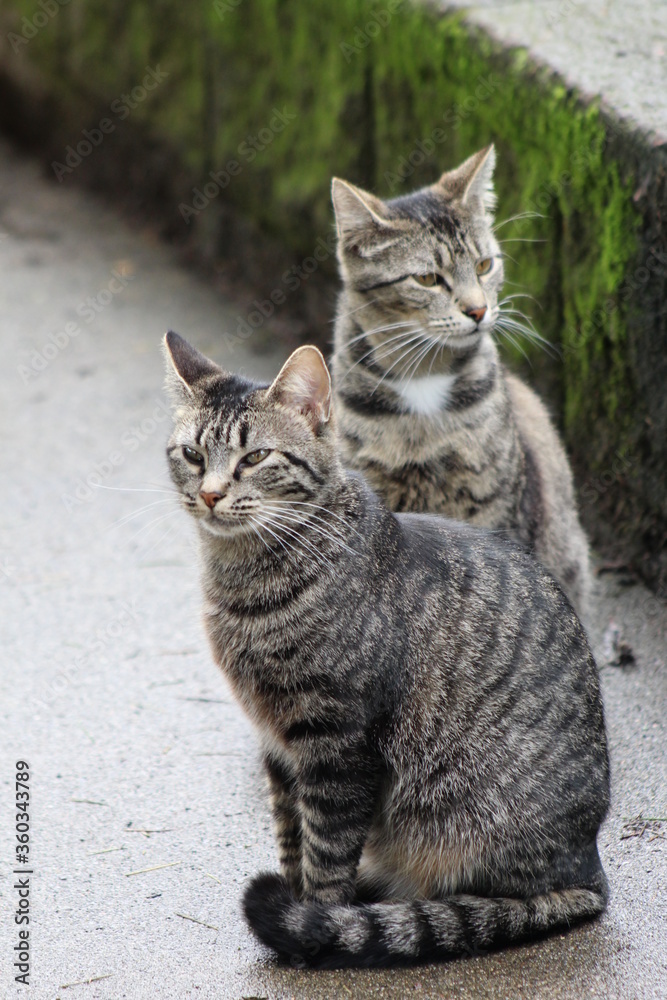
[{"x": 426, "y": 396}]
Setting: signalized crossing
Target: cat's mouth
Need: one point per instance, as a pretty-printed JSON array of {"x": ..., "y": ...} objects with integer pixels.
[
  {"x": 223, "y": 524},
  {"x": 454, "y": 336},
  {"x": 457, "y": 339},
  {"x": 227, "y": 527}
]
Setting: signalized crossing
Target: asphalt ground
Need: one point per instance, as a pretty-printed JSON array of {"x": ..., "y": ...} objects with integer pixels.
[{"x": 139, "y": 758}]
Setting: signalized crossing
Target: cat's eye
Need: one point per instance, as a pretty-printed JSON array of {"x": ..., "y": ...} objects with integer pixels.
[
  {"x": 429, "y": 280},
  {"x": 193, "y": 456},
  {"x": 484, "y": 266},
  {"x": 255, "y": 457}
]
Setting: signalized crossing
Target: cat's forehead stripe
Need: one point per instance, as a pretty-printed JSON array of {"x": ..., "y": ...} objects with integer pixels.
[
  {"x": 228, "y": 391},
  {"x": 431, "y": 211},
  {"x": 444, "y": 251}
]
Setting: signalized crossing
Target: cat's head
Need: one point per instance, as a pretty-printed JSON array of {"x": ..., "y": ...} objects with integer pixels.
[
  {"x": 428, "y": 261},
  {"x": 244, "y": 456}
]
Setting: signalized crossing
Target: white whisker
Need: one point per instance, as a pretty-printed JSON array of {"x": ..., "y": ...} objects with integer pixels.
[
  {"x": 304, "y": 516},
  {"x": 515, "y": 218},
  {"x": 519, "y": 295},
  {"x": 512, "y": 340},
  {"x": 148, "y": 528},
  {"x": 383, "y": 350},
  {"x": 262, "y": 524},
  {"x": 256, "y": 531},
  {"x": 294, "y": 520},
  {"x": 436, "y": 354},
  {"x": 136, "y": 513},
  {"x": 159, "y": 541},
  {"x": 415, "y": 363},
  {"x": 406, "y": 340},
  {"x": 296, "y": 536},
  {"x": 507, "y": 323},
  {"x": 508, "y": 256},
  {"x": 352, "y": 311},
  {"x": 402, "y": 358},
  {"x": 520, "y": 239},
  {"x": 368, "y": 333},
  {"x": 317, "y": 506},
  {"x": 132, "y": 489}
]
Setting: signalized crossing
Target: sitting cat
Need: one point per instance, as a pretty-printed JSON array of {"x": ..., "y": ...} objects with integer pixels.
[
  {"x": 425, "y": 696},
  {"x": 425, "y": 408}
]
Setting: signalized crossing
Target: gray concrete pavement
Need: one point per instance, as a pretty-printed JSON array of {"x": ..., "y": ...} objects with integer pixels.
[
  {"x": 139, "y": 756},
  {"x": 603, "y": 48}
]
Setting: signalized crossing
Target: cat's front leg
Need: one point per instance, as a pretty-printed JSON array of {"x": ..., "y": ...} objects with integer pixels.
[
  {"x": 337, "y": 798},
  {"x": 286, "y": 822}
]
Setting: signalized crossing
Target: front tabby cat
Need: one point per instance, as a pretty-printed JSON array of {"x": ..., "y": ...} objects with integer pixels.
[
  {"x": 425, "y": 408},
  {"x": 426, "y": 698}
]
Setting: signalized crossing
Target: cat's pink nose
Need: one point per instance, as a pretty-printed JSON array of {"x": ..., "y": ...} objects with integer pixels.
[
  {"x": 477, "y": 314},
  {"x": 210, "y": 499}
]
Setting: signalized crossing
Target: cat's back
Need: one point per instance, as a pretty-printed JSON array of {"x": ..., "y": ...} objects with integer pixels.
[
  {"x": 487, "y": 599},
  {"x": 501, "y": 672},
  {"x": 482, "y": 563}
]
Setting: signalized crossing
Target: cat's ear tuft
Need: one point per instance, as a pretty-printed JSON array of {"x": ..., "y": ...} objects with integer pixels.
[
  {"x": 185, "y": 365},
  {"x": 361, "y": 222},
  {"x": 304, "y": 384},
  {"x": 472, "y": 182}
]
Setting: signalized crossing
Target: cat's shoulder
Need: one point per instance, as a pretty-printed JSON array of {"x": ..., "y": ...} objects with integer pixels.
[
  {"x": 523, "y": 397},
  {"x": 446, "y": 531},
  {"x": 435, "y": 536}
]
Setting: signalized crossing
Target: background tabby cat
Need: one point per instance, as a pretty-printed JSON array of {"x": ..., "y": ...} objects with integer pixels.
[{"x": 426, "y": 409}]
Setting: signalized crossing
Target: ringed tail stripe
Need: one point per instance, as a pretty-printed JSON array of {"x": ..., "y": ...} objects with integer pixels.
[{"x": 380, "y": 934}]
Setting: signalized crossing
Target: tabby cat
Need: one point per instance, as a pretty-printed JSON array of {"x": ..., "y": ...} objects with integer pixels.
[
  {"x": 425, "y": 408},
  {"x": 425, "y": 696}
]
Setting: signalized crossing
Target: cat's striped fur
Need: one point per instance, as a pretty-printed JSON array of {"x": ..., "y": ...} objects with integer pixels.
[
  {"x": 426, "y": 698},
  {"x": 426, "y": 410}
]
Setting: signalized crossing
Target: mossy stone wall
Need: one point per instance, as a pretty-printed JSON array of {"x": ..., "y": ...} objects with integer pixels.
[{"x": 278, "y": 95}]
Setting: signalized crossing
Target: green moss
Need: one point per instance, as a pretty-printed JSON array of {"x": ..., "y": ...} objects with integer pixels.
[{"x": 367, "y": 87}]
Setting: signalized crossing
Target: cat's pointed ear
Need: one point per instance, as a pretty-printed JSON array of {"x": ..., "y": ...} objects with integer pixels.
[
  {"x": 355, "y": 209},
  {"x": 304, "y": 384},
  {"x": 185, "y": 365},
  {"x": 361, "y": 221},
  {"x": 472, "y": 182}
]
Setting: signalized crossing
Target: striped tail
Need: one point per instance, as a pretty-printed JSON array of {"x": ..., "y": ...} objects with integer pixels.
[{"x": 327, "y": 936}]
